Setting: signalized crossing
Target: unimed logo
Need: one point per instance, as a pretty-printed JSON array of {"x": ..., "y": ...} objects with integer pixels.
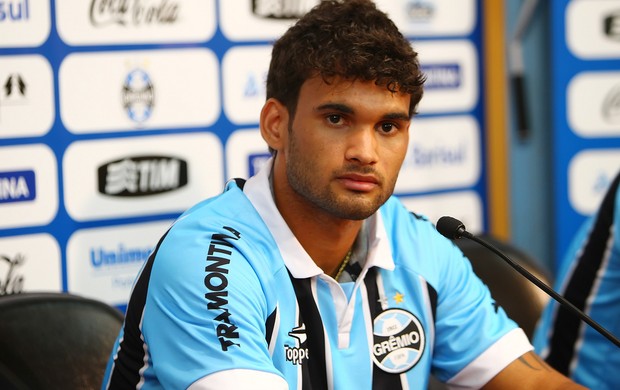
[
  {"x": 17, "y": 186},
  {"x": 142, "y": 176}
]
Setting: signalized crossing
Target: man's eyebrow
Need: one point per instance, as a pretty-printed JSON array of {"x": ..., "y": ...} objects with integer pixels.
[
  {"x": 335, "y": 107},
  {"x": 348, "y": 110},
  {"x": 397, "y": 116}
]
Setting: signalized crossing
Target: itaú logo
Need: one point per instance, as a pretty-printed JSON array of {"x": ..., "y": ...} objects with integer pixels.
[
  {"x": 398, "y": 341},
  {"x": 142, "y": 176}
]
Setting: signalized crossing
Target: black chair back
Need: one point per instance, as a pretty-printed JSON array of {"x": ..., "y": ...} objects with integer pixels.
[{"x": 55, "y": 341}]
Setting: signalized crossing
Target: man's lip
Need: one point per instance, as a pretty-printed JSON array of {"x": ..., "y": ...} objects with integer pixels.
[
  {"x": 361, "y": 178},
  {"x": 359, "y": 183}
]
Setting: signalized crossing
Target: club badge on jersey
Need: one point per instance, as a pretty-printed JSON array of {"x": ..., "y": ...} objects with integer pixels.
[{"x": 399, "y": 341}]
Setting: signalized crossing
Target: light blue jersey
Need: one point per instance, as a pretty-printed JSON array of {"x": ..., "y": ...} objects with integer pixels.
[
  {"x": 229, "y": 289},
  {"x": 589, "y": 279}
]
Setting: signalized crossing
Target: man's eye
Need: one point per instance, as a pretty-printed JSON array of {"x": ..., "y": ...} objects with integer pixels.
[
  {"x": 387, "y": 127},
  {"x": 334, "y": 119}
]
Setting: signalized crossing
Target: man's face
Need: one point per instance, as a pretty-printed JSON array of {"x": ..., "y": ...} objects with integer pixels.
[{"x": 345, "y": 147}]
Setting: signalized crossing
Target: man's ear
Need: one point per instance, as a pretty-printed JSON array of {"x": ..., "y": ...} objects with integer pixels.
[{"x": 274, "y": 123}]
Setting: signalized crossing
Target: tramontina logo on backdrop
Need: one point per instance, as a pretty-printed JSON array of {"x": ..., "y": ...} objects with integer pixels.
[
  {"x": 142, "y": 176},
  {"x": 399, "y": 341},
  {"x": 282, "y": 9},
  {"x": 17, "y": 186},
  {"x": 138, "y": 95}
]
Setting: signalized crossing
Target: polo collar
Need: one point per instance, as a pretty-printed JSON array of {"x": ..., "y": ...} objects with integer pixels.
[{"x": 296, "y": 259}]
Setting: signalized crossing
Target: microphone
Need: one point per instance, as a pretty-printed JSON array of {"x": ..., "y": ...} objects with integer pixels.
[{"x": 452, "y": 228}]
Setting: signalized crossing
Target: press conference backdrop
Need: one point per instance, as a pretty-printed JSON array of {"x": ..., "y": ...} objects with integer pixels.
[
  {"x": 586, "y": 110},
  {"x": 117, "y": 116}
]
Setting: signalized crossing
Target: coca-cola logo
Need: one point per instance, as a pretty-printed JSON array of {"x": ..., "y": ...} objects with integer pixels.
[
  {"x": 11, "y": 281},
  {"x": 133, "y": 12}
]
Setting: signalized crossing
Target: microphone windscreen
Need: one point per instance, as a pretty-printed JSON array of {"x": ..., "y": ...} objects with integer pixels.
[{"x": 450, "y": 227}]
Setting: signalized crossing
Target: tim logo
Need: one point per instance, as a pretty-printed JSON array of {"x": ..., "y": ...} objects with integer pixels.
[
  {"x": 442, "y": 76},
  {"x": 282, "y": 9},
  {"x": 611, "y": 25},
  {"x": 398, "y": 341},
  {"x": 298, "y": 353},
  {"x": 611, "y": 105},
  {"x": 17, "y": 186},
  {"x": 138, "y": 95},
  {"x": 11, "y": 281},
  {"x": 142, "y": 176}
]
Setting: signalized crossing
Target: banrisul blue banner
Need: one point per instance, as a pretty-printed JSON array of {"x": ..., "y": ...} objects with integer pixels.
[
  {"x": 586, "y": 109},
  {"x": 116, "y": 116}
]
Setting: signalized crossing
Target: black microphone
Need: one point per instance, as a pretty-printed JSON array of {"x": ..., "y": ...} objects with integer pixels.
[{"x": 452, "y": 228}]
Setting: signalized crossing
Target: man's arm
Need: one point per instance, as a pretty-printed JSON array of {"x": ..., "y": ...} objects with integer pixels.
[{"x": 530, "y": 372}]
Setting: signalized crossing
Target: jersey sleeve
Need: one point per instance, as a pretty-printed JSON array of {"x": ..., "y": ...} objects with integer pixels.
[
  {"x": 206, "y": 309},
  {"x": 475, "y": 339}
]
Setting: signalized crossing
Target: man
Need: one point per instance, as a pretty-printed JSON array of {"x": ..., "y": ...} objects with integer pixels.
[
  {"x": 590, "y": 279},
  {"x": 310, "y": 275}
]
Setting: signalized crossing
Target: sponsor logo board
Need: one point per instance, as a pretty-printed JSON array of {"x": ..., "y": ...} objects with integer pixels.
[
  {"x": 452, "y": 76},
  {"x": 589, "y": 174},
  {"x": 422, "y": 18},
  {"x": 244, "y": 74},
  {"x": 29, "y": 263},
  {"x": 137, "y": 90},
  {"x": 260, "y": 20},
  {"x": 26, "y": 96},
  {"x": 246, "y": 153},
  {"x": 28, "y": 186},
  {"x": 96, "y": 22},
  {"x": 593, "y": 29},
  {"x": 443, "y": 153},
  {"x": 141, "y": 175},
  {"x": 466, "y": 206},
  {"x": 24, "y": 23},
  {"x": 593, "y": 104},
  {"x": 102, "y": 263}
]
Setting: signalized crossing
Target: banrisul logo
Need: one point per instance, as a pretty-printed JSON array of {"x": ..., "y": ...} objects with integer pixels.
[
  {"x": 142, "y": 176},
  {"x": 399, "y": 341},
  {"x": 138, "y": 95},
  {"x": 17, "y": 186}
]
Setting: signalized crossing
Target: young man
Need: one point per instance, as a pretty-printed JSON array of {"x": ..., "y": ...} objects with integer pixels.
[{"x": 310, "y": 275}]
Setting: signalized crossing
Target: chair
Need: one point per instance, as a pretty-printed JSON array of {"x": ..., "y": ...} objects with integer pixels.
[
  {"x": 522, "y": 300},
  {"x": 55, "y": 341}
]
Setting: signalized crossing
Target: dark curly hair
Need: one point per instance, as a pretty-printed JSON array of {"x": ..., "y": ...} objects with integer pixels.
[{"x": 350, "y": 39}]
